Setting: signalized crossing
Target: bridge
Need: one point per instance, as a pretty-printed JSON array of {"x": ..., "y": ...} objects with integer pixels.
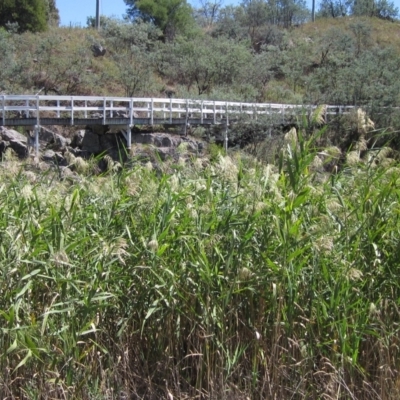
[{"x": 126, "y": 112}]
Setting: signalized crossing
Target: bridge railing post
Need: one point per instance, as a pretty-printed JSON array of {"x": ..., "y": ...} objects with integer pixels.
[
  {"x": 215, "y": 114},
  {"x": 226, "y": 129},
  {"x": 27, "y": 109},
  {"x": 37, "y": 130},
  {"x": 37, "y": 110},
  {"x": 131, "y": 111},
  {"x": 170, "y": 110},
  {"x": 187, "y": 117},
  {"x": 152, "y": 112},
  {"x": 72, "y": 110}
]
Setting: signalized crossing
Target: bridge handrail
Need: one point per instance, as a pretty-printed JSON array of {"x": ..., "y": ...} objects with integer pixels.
[{"x": 169, "y": 107}]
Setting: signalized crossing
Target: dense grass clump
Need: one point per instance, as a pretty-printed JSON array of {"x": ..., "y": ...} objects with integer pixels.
[{"x": 228, "y": 280}]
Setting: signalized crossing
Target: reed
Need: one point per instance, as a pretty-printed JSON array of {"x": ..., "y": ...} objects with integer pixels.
[{"x": 225, "y": 280}]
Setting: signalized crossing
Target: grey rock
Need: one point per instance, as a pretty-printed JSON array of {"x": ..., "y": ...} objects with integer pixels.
[
  {"x": 78, "y": 152},
  {"x": 91, "y": 143},
  {"x": 98, "y": 129},
  {"x": 49, "y": 155},
  {"x": 3, "y": 146},
  {"x": 60, "y": 142},
  {"x": 50, "y": 138},
  {"x": 17, "y": 141},
  {"x": 53, "y": 156},
  {"x": 77, "y": 140},
  {"x": 165, "y": 153},
  {"x": 66, "y": 173},
  {"x": 45, "y": 135},
  {"x": 12, "y": 135},
  {"x": 156, "y": 139},
  {"x": 98, "y": 50}
]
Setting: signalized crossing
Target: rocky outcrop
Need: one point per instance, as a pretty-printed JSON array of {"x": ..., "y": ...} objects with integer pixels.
[{"x": 86, "y": 142}]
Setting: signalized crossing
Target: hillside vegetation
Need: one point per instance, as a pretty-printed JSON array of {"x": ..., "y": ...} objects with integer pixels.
[{"x": 352, "y": 60}]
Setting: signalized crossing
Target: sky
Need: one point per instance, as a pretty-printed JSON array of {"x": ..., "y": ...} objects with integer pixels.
[{"x": 75, "y": 12}]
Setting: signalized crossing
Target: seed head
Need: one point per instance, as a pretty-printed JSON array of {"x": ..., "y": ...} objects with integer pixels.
[{"x": 153, "y": 244}]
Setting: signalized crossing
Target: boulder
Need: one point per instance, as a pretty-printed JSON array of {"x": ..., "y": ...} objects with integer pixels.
[
  {"x": 98, "y": 50},
  {"x": 17, "y": 141},
  {"x": 77, "y": 140},
  {"x": 52, "y": 156},
  {"x": 45, "y": 135},
  {"x": 3, "y": 146},
  {"x": 156, "y": 139},
  {"x": 60, "y": 142},
  {"x": 12, "y": 135},
  {"x": 91, "y": 143},
  {"x": 165, "y": 152}
]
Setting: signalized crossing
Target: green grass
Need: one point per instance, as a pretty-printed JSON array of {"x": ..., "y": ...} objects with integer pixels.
[{"x": 222, "y": 280}]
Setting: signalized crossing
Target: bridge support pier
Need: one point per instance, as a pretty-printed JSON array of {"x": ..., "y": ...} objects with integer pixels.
[
  {"x": 36, "y": 143},
  {"x": 226, "y": 139},
  {"x": 128, "y": 136}
]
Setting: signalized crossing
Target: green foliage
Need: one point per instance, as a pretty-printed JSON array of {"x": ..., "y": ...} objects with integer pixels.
[
  {"x": 203, "y": 62},
  {"x": 122, "y": 35},
  {"x": 134, "y": 71},
  {"x": 171, "y": 16},
  {"x": 371, "y": 8},
  {"x": 211, "y": 270},
  {"x": 7, "y": 61},
  {"x": 30, "y": 15},
  {"x": 53, "y": 16}
]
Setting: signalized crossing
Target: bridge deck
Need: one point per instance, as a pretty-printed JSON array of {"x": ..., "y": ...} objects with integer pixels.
[{"x": 36, "y": 110}]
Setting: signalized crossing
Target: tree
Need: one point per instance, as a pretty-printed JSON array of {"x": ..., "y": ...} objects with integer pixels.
[
  {"x": 205, "y": 62},
  {"x": 371, "y": 8},
  {"x": 135, "y": 72},
  {"x": 208, "y": 13},
  {"x": 7, "y": 61},
  {"x": 375, "y": 8},
  {"x": 53, "y": 15},
  {"x": 334, "y": 8},
  {"x": 171, "y": 16},
  {"x": 30, "y": 15}
]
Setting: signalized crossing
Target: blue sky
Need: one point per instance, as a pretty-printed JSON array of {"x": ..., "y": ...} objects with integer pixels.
[{"x": 75, "y": 12}]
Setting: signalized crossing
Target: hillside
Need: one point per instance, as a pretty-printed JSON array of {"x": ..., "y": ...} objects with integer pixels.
[{"x": 338, "y": 61}]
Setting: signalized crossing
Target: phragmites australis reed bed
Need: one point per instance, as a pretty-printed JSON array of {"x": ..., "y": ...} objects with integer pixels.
[{"x": 229, "y": 280}]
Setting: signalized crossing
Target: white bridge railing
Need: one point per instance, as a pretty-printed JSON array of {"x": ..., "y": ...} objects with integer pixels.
[
  {"x": 36, "y": 110},
  {"x": 137, "y": 110}
]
